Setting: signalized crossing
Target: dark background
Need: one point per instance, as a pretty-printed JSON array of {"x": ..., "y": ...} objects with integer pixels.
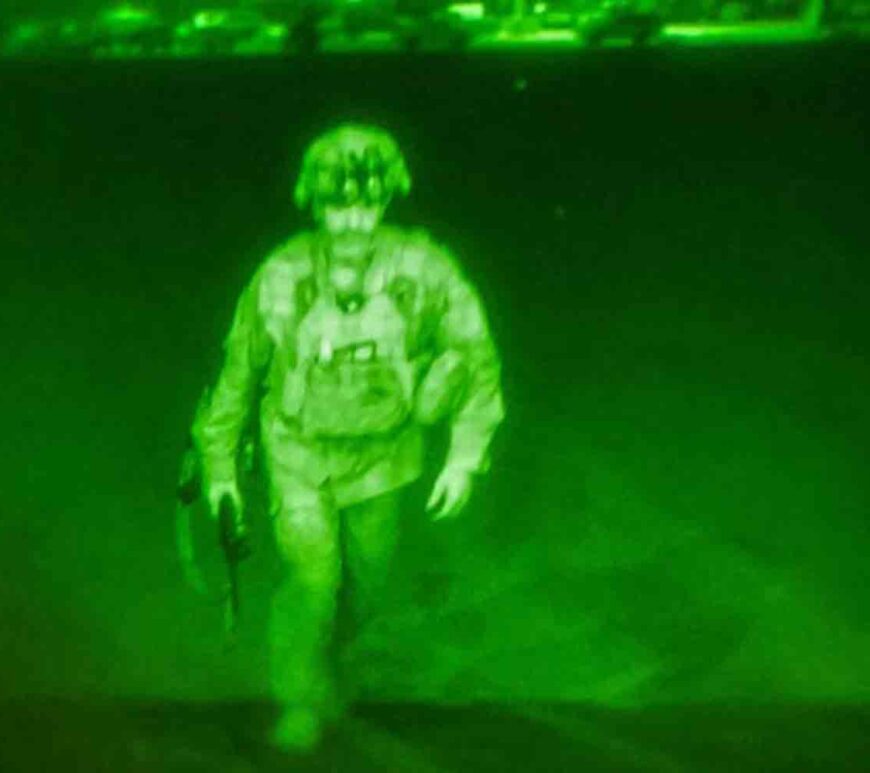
[{"x": 672, "y": 247}]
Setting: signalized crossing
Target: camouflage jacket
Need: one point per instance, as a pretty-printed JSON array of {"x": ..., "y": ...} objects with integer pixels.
[{"x": 268, "y": 357}]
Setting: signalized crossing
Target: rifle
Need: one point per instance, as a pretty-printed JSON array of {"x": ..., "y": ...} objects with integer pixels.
[
  {"x": 233, "y": 535},
  {"x": 232, "y": 529}
]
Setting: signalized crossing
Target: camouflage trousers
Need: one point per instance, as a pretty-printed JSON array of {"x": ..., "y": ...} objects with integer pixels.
[{"x": 337, "y": 560}]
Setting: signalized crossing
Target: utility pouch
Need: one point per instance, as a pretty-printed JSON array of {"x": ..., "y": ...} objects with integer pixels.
[{"x": 349, "y": 398}]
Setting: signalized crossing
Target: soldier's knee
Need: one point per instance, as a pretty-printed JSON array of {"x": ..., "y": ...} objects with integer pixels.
[
  {"x": 370, "y": 550},
  {"x": 307, "y": 540}
]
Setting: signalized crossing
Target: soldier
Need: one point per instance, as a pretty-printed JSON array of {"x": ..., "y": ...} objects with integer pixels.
[{"x": 351, "y": 338}]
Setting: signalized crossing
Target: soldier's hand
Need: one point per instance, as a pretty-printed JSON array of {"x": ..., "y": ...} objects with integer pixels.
[
  {"x": 217, "y": 491},
  {"x": 450, "y": 493}
]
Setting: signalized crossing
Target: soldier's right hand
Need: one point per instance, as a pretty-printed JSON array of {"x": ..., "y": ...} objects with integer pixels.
[{"x": 220, "y": 489}]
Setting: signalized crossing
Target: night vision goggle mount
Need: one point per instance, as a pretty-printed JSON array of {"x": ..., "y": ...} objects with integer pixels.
[
  {"x": 352, "y": 164},
  {"x": 359, "y": 179}
]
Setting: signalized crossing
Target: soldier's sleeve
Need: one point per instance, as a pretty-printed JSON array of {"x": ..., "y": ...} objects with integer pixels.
[
  {"x": 463, "y": 327},
  {"x": 220, "y": 423}
]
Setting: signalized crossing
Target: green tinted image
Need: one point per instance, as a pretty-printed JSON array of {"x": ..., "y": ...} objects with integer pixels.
[
  {"x": 357, "y": 335},
  {"x": 441, "y": 414},
  {"x": 187, "y": 29}
]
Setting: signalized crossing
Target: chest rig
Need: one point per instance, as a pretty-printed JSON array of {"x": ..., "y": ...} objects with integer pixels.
[{"x": 353, "y": 373}]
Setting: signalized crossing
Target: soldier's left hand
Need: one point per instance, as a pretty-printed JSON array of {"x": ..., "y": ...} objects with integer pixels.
[{"x": 451, "y": 491}]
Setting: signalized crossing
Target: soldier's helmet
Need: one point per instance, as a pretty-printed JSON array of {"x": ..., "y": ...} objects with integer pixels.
[{"x": 352, "y": 164}]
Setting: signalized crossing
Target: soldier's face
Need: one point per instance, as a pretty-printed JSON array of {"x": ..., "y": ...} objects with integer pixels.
[{"x": 350, "y": 228}]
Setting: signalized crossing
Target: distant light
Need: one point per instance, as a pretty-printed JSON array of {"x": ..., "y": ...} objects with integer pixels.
[
  {"x": 276, "y": 31},
  {"x": 470, "y": 11},
  {"x": 747, "y": 32},
  {"x": 205, "y": 19},
  {"x": 126, "y": 13}
]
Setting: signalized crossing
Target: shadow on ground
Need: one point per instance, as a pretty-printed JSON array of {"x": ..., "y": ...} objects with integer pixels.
[{"x": 53, "y": 735}]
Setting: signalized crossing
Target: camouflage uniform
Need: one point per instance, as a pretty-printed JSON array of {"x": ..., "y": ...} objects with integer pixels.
[{"x": 345, "y": 395}]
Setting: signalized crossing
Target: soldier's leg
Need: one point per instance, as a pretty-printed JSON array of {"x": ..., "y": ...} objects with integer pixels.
[
  {"x": 370, "y": 536},
  {"x": 302, "y": 615},
  {"x": 370, "y": 532}
]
